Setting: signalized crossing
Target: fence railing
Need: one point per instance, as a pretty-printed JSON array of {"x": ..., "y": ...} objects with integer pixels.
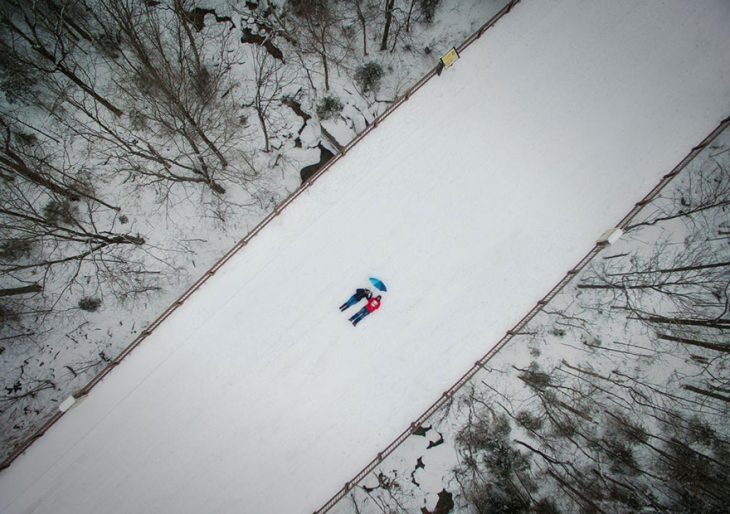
[
  {"x": 20, "y": 448},
  {"x": 515, "y": 330}
]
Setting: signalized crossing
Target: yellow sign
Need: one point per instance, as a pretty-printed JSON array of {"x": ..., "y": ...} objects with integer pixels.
[{"x": 450, "y": 57}]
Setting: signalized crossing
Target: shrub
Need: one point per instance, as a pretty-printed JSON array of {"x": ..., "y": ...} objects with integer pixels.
[
  {"x": 137, "y": 120},
  {"x": 89, "y": 304},
  {"x": 203, "y": 83},
  {"x": 26, "y": 139},
  {"x": 16, "y": 80},
  {"x": 108, "y": 45},
  {"x": 84, "y": 182},
  {"x": 312, "y": 9},
  {"x": 536, "y": 379},
  {"x": 7, "y": 314},
  {"x": 630, "y": 430},
  {"x": 528, "y": 420},
  {"x": 621, "y": 457},
  {"x": 368, "y": 76},
  {"x": 486, "y": 498},
  {"x": 545, "y": 506},
  {"x": 428, "y": 9},
  {"x": 59, "y": 212},
  {"x": 701, "y": 432},
  {"x": 14, "y": 249},
  {"x": 329, "y": 107}
]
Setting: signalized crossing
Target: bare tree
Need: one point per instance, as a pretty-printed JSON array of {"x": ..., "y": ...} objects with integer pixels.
[
  {"x": 679, "y": 286},
  {"x": 270, "y": 81},
  {"x": 43, "y": 36},
  {"x": 389, "y": 4},
  {"x": 397, "y": 15},
  {"x": 24, "y": 155},
  {"x": 318, "y": 31},
  {"x": 363, "y": 25},
  {"x": 52, "y": 222},
  {"x": 691, "y": 276},
  {"x": 702, "y": 196},
  {"x": 164, "y": 73}
]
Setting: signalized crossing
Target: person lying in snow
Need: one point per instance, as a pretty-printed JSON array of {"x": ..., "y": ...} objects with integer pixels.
[
  {"x": 372, "y": 306},
  {"x": 359, "y": 295}
]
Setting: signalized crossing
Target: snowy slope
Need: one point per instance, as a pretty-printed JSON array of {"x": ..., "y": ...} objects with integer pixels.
[{"x": 470, "y": 201}]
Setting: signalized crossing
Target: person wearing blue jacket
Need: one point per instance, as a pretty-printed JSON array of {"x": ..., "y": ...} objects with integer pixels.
[{"x": 359, "y": 295}]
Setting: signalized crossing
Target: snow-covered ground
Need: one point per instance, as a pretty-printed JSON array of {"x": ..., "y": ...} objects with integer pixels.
[
  {"x": 470, "y": 202},
  {"x": 186, "y": 229}
]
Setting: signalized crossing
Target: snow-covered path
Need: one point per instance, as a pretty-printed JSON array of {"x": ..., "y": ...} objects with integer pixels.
[{"x": 470, "y": 202}]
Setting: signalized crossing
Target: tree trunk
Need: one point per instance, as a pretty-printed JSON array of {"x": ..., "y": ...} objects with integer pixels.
[
  {"x": 33, "y": 288},
  {"x": 388, "y": 19},
  {"x": 88, "y": 89},
  {"x": 714, "y": 323},
  {"x": 262, "y": 120},
  {"x": 68, "y": 234},
  {"x": 707, "y": 393},
  {"x": 70, "y": 22},
  {"x": 326, "y": 73},
  {"x": 408, "y": 18},
  {"x": 182, "y": 16},
  {"x": 692, "y": 342},
  {"x": 41, "y": 50},
  {"x": 576, "y": 492},
  {"x": 323, "y": 55},
  {"x": 673, "y": 270},
  {"x": 361, "y": 17},
  {"x": 678, "y": 215},
  {"x": 14, "y": 165}
]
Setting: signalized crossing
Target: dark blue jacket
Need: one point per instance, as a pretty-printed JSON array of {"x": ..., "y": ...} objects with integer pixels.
[{"x": 363, "y": 293}]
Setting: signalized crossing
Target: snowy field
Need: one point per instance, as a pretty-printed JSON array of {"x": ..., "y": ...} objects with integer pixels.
[{"x": 470, "y": 202}]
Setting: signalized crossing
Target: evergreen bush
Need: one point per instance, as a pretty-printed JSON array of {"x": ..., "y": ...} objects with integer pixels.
[
  {"x": 368, "y": 77},
  {"x": 89, "y": 304},
  {"x": 59, "y": 212},
  {"x": 329, "y": 107}
]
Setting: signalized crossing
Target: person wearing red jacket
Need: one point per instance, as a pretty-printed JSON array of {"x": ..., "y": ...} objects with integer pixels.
[{"x": 370, "y": 307}]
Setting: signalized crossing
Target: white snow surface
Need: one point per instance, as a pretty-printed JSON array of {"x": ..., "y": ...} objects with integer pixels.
[{"x": 470, "y": 202}]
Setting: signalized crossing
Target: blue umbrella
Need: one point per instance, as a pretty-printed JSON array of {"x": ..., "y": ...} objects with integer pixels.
[{"x": 378, "y": 283}]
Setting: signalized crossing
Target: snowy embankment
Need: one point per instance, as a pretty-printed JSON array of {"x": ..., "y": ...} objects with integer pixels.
[{"x": 470, "y": 201}]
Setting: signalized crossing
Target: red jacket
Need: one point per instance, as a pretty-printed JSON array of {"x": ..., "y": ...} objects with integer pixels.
[{"x": 373, "y": 305}]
